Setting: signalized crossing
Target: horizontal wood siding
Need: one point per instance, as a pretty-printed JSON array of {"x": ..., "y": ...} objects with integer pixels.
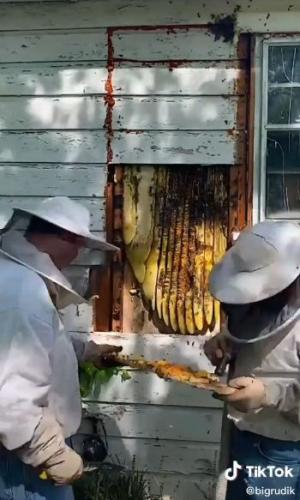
[
  {"x": 100, "y": 13},
  {"x": 146, "y": 389},
  {"x": 53, "y": 79},
  {"x": 95, "y": 205},
  {"x": 78, "y": 180},
  {"x": 175, "y": 99},
  {"x": 165, "y": 45},
  {"x": 175, "y": 113},
  {"x": 168, "y": 457},
  {"x": 63, "y": 113},
  {"x": 183, "y": 147},
  {"x": 190, "y": 79},
  {"x": 170, "y": 430},
  {"x": 195, "y": 106},
  {"x": 42, "y": 46},
  {"x": 52, "y": 115},
  {"x": 155, "y": 422}
]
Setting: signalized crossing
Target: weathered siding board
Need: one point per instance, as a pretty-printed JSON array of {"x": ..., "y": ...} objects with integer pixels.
[
  {"x": 77, "y": 45},
  {"x": 166, "y": 45},
  {"x": 206, "y": 148},
  {"x": 155, "y": 422},
  {"x": 56, "y": 147},
  {"x": 175, "y": 113},
  {"x": 133, "y": 113},
  {"x": 207, "y": 126},
  {"x": 47, "y": 178},
  {"x": 95, "y": 205},
  {"x": 41, "y": 113},
  {"x": 75, "y": 79},
  {"x": 95, "y": 13},
  {"x": 146, "y": 389},
  {"x": 271, "y": 20},
  {"x": 187, "y": 349},
  {"x": 171, "y": 457},
  {"x": 52, "y": 79},
  {"x": 196, "y": 79}
]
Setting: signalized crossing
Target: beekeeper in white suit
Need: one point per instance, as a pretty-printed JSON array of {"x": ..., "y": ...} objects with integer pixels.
[
  {"x": 39, "y": 389},
  {"x": 258, "y": 285}
]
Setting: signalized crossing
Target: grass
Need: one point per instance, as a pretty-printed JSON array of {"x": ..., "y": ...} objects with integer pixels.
[{"x": 111, "y": 485}]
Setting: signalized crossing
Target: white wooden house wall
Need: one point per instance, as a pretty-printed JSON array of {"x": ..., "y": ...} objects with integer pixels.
[{"x": 53, "y": 58}]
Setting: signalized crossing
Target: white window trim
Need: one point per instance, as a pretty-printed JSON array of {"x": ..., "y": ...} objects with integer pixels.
[{"x": 262, "y": 44}]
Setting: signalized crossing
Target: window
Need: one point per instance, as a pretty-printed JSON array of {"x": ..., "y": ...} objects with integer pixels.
[{"x": 280, "y": 130}]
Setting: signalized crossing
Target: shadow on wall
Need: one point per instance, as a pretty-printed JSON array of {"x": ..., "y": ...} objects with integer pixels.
[
  {"x": 53, "y": 138},
  {"x": 52, "y": 142}
]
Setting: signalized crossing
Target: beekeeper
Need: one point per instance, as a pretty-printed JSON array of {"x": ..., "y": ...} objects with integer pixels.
[
  {"x": 40, "y": 402},
  {"x": 258, "y": 285}
]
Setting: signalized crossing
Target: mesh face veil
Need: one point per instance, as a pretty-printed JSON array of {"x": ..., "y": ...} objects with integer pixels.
[{"x": 248, "y": 323}]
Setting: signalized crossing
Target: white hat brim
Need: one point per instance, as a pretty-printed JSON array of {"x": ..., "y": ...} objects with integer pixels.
[
  {"x": 77, "y": 299},
  {"x": 97, "y": 243},
  {"x": 92, "y": 241},
  {"x": 230, "y": 286}
]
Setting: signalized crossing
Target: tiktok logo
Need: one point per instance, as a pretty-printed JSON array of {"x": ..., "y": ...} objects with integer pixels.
[
  {"x": 232, "y": 473},
  {"x": 258, "y": 471}
]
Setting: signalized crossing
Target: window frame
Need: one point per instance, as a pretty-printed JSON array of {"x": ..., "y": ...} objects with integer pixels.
[{"x": 261, "y": 127}]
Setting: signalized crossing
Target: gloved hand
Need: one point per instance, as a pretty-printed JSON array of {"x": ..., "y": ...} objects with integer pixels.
[
  {"x": 216, "y": 347},
  {"x": 250, "y": 394},
  {"x": 64, "y": 467},
  {"x": 96, "y": 354},
  {"x": 47, "y": 452}
]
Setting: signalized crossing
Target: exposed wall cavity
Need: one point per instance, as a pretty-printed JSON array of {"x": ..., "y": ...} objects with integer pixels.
[{"x": 175, "y": 230}]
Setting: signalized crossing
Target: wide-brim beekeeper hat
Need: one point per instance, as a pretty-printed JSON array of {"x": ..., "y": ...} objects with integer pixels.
[
  {"x": 66, "y": 214},
  {"x": 264, "y": 260}
]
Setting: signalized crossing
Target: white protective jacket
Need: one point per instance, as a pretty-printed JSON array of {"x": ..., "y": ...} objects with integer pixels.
[
  {"x": 275, "y": 361},
  {"x": 38, "y": 363}
]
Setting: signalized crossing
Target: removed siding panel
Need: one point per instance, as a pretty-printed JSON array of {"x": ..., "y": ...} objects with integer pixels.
[
  {"x": 40, "y": 113},
  {"x": 202, "y": 148},
  {"x": 208, "y": 78},
  {"x": 57, "y": 147},
  {"x": 79, "y": 180},
  {"x": 77, "y": 45},
  {"x": 52, "y": 79}
]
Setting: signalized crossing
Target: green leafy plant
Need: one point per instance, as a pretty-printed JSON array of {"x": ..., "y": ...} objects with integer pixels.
[
  {"x": 91, "y": 378},
  {"x": 108, "y": 485}
]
